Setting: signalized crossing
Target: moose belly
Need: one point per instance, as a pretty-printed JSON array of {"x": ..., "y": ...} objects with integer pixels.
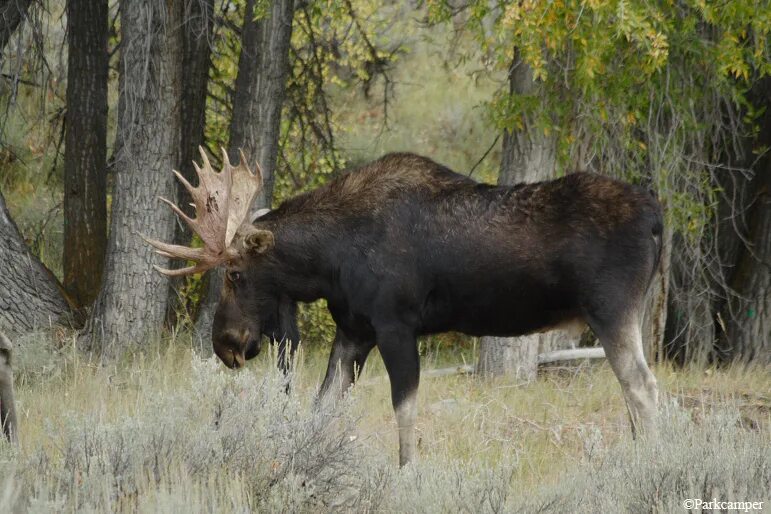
[{"x": 502, "y": 308}]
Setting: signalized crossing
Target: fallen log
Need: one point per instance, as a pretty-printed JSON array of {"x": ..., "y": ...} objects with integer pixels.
[
  {"x": 544, "y": 358},
  {"x": 571, "y": 355}
]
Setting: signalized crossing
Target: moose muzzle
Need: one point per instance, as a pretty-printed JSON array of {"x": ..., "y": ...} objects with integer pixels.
[{"x": 235, "y": 348}]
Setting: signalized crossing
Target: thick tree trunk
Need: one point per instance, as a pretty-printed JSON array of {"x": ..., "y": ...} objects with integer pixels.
[
  {"x": 746, "y": 316},
  {"x": 528, "y": 155},
  {"x": 30, "y": 296},
  {"x": 85, "y": 194},
  {"x": 263, "y": 67},
  {"x": 748, "y": 331},
  {"x": 12, "y": 13},
  {"x": 517, "y": 356},
  {"x": 132, "y": 303}
]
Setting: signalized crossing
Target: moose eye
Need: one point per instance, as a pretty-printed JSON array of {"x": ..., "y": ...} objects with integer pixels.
[{"x": 234, "y": 276}]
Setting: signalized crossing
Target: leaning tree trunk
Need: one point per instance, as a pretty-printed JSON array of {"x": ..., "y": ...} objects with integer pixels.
[
  {"x": 260, "y": 85},
  {"x": 132, "y": 303},
  {"x": 85, "y": 193},
  {"x": 528, "y": 155},
  {"x": 30, "y": 295}
]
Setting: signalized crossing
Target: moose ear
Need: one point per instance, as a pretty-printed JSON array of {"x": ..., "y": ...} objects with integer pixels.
[{"x": 259, "y": 241}]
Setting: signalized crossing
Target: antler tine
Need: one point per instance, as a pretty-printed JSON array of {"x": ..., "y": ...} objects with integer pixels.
[
  {"x": 191, "y": 222},
  {"x": 190, "y": 188},
  {"x": 175, "y": 251},
  {"x": 181, "y": 272},
  {"x": 204, "y": 158},
  {"x": 257, "y": 168}
]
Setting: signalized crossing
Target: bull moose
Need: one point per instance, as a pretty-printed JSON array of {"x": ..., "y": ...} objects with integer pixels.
[{"x": 403, "y": 247}]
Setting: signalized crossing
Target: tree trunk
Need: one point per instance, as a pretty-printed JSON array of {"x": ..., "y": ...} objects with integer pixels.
[
  {"x": 747, "y": 314},
  {"x": 263, "y": 67},
  {"x": 197, "y": 34},
  {"x": 516, "y": 356},
  {"x": 528, "y": 155},
  {"x": 197, "y": 40},
  {"x": 12, "y": 13},
  {"x": 30, "y": 295},
  {"x": 132, "y": 303},
  {"x": 655, "y": 318},
  {"x": 85, "y": 194},
  {"x": 748, "y": 331}
]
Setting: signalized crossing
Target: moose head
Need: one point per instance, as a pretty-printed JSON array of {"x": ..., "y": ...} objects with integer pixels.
[{"x": 222, "y": 201}]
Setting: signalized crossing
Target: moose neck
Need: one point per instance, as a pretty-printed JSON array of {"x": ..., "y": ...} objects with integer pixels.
[{"x": 302, "y": 265}]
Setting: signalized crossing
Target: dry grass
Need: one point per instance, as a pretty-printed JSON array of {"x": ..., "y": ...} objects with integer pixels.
[{"x": 163, "y": 431}]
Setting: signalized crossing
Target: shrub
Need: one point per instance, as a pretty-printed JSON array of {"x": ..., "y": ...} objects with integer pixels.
[
  {"x": 713, "y": 458},
  {"x": 211, "y": 440}
]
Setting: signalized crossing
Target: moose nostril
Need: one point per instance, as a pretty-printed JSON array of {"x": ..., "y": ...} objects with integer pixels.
[{"x": 230, "y": 346}]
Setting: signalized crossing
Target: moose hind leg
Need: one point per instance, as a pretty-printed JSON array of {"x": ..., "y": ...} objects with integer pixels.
[{"x": 622, "y": 341}]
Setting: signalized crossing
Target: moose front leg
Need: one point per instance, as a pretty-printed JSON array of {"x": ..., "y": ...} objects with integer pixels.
[
  {"x": 289, "y": 334},
  {"x": 399, "y": 350},
  {"x": 345, "y": 362},
  {"x": 7, "y": 400}
]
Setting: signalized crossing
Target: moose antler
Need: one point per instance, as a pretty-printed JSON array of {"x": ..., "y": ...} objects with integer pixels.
[{"x": 221, "y": 203}]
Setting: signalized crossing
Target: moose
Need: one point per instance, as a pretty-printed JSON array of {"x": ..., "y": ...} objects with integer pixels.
[
  {"x": 404, "y": 247},
  {"x": 7, "y": 400}
]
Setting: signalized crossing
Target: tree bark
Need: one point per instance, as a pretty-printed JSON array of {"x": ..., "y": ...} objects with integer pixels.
[
  {"x": 85, "y": 190},
  {"x": 198, "y": 28},
  {"x": 12, "y": 13},
  {"x": 197, "y": 34},
  {"x": 655, "y": 319},
  {"x": 263, "y": 67},
  {"x": 30, "y": 296},
  {"x": 132, "y": 302},
  {"x": 748, "y": 331},
  {"x": 528, "y": 155},
  {"x": 746, "y": 317}
]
